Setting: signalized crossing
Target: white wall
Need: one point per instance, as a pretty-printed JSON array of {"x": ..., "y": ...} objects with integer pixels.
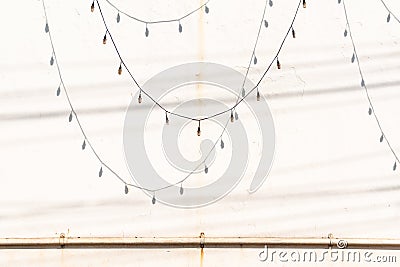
[{"x": 330, "y": 174}]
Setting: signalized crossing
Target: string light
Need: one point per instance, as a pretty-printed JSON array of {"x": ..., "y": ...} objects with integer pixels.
[
  {"x": 92, "y": 7},
  {"x": 371, "y": 109},
  {"x": 278, "y": 64},
  {"x": 120, "y": 69},
  {"x": 255, "y": 60},
  {"x": 394, "y": 166},
  {"x": 146, "y": 33},
  {"x": 51, "y": 60},
  {"x": 222, "y": 144},
  {"x": 153, "y": 200},
  {"x": 181, "y": 190},
  {"x": 232, "y": 118},
  {"x": 140, "y": 97},
  {"x": 345, "y": 33},
  {"x": 266, "y": 23},
  {"x": 198, "y": 130},
  {"x": 101, "y": 171},
  {"x": 258, "y": 95},
  {"x": 304, "y": 4},
  {"x": 70, "y": 117},
  {"x": 247, "y": 70},
  {"x": 390, "y": 13},
  {"x": 293, "y": 33},
  {"x": 126, "y": 189},
  {"x": 46, "y": 28},
  {"x": 84, "y": 145},
  {"x": 166, "y": 118},
  {"x": 86, "y": 141},
  {"x": 353, "y": 58},
  {"x": 206, "y": 9},
  {"x": 180, "y": 27},
  {"x": 118, "y": 18},
  {"x": 205, "y": 169},
  {"x": 58, "y": 90},
  {"x": 105, "y": 38}
]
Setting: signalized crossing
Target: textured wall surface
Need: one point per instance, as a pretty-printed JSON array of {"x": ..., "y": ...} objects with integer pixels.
[{"x": 330, "y": 173}]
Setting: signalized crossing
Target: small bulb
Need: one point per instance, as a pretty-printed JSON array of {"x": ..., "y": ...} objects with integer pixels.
[
  {"x": 180, "y": 27},
  {"x": 58, "y": 91},
  {"x": 353, "y": 58},
  {"x": 51, "y": 60},
  {"x": 181, "y": 190},
  {"x": 236, "y": 116},
  {"x": 232, "y": 118},
  {"x": 362, "y": 83},
  {"x": 388, "y": 18},
  {"x": 345, "y": 33},
  {"x": 92, "y": 7},
  {"x": 265, "y": 23},
  {"x": 146, "y": 33},
  {"x": 105, "y": 39},
  {"x": 101, "y": 171},
  {"x": 370, "y": 111},
  {"x": 395, "y": 166},
  {"x": 258, "y": 95},
  {"x": 118, "y": 18},
  {"x": 206, "y": 9},
  {"x": 198, "y": 131},
  {"x": 304, "y": 4},
  {"x": 126, "y": 189},
  {"x": 271, "y": 3},
  {"x": 206, "y": 169},
  {"x": 381, "y": 139},
  {"x": 222, "y": 144},
  {"x": 278, "y": 64},
  {"x": 255, "y": 60},
  {"x": 140, "y": 98},
  {"x": 166, "y": 118},
  {"x": 293, "y": 33},
  {"x": 120, "y": 69},
  {"x": 84, "y": 145},
  {"x": 154, "y": 199},
  {"x": 70, "y": 117},
  {"x": 46, "y": 28},
  {"x": 243, "y": 92}
]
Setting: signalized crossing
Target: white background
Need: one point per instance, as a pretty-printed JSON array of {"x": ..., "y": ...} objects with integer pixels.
[{"x": 330, "y": 173}]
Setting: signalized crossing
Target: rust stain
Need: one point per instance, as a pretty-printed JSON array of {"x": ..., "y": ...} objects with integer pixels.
[
  {"x": 201, "y": 46},
  {"x": 201, "y": 257}
]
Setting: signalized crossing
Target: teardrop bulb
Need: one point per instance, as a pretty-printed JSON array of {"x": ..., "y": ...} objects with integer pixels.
[
  {"x": 118, "y": 18},
  {"x": 101, "y": 171},
  {"x": 126, "y": 189},
  {"x": 84, "y": 145},
  {"x": 181, "y": 190},
  {"x": 154, "y": 199}
]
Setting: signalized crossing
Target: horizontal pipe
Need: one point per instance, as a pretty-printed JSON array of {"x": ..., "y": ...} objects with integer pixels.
[{"x": 196, "y": 242}]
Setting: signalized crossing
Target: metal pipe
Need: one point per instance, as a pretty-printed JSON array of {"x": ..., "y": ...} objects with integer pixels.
[{"x": 197, "y": 242}]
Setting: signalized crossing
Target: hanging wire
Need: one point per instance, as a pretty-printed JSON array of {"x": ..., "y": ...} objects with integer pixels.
[
  {"x": 159, "y": 21},
  {"x": 390, "y": 12},
  {"x": 371, "y": 110},
  {"x": 86, "y": 139},
  {"x": 178, "y": 114}
]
